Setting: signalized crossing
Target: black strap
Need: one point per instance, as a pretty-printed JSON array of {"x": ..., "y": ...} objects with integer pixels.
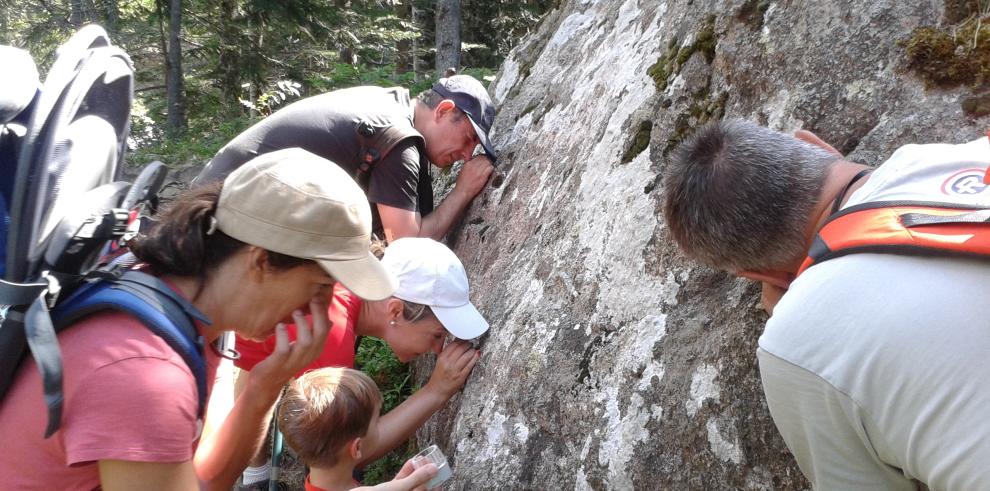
[
  {"x": 838, "y": 199},
  {"x": 40, "y": 333},
  {"x": 920, "y": 219},
  {"x": 159, "y": 287},
  {"x": 20, "y": 293}
]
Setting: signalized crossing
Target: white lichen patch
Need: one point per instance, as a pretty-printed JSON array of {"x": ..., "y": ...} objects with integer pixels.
[
  {"x": 622, "y": 434},
  {"x": 494, "y": 435},
  {"x": 572, "y": 25},
  {"x": 510, "y": 73},
  {"x": 724, "y": 449},
  {"x": 703, "y": 386},
  {"x": 581, "y": 481},
  {"x": 585, "y": 448},
  {"x": 669, "y": 289},
  {"x": 766, "y": 37},
  {"x": 521, "y": 432},
  {"x": 861, "y": 90},
  {"x": 652, "y": 372}
]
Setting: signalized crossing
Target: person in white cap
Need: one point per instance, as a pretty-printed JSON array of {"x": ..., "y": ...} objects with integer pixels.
[
  {"x": 131, "y": 402},
  {"x": 431, "y": 299}
]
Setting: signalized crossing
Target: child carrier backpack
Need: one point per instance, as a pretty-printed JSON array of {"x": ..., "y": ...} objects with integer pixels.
[{"x": 66, "y": 209}]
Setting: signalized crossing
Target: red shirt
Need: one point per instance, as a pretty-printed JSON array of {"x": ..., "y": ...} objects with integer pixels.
[
  {"x": 339, "y": 349},
  {"x": 128, "y": 396},
  {"x": 311, "y": 487}
]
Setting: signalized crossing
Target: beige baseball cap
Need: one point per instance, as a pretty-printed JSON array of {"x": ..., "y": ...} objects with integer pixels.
[{"x": 298, "y": 204}]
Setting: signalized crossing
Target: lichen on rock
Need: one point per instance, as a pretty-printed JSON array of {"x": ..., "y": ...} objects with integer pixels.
[{"x": 613, "y": 362}]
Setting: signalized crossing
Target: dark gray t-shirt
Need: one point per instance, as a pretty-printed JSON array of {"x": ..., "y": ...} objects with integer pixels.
[{"x": 326, "y": 125}]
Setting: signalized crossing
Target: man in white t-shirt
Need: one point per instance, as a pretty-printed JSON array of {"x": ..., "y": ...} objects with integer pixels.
[{"x": 876, "y": 367}]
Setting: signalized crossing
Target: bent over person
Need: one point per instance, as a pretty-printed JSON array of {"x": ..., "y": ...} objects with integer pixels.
[
  {"x": 874, "y": 365},
  {"x": 130, "y": 418},
  {"x": 385, "y": 140}
]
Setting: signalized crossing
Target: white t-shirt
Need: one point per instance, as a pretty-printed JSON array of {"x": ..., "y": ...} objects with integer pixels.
[
  {"x": 937, "y": 172},
  {"x": 876, "y": 367}
]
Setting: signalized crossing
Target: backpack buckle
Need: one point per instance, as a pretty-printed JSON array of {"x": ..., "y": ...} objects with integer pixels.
[{"x": 53, "y": 290}]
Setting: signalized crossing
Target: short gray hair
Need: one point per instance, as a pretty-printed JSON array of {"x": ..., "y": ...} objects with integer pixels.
[
  {"x": 739, "y": 196},
  {"x": 431, "y": 99}
]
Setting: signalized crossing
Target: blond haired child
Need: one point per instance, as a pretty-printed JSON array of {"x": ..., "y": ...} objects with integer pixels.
[{"x": 327, "y": 417}]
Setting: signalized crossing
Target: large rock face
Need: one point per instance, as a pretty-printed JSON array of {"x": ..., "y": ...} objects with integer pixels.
[{"x": 614, "y": 363}]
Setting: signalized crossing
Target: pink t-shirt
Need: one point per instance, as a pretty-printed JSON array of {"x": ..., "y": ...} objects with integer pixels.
[{"x": 128, "y": 396}]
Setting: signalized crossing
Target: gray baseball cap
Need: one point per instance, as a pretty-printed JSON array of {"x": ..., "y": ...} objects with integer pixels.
[{"x": 472, "y": 98}]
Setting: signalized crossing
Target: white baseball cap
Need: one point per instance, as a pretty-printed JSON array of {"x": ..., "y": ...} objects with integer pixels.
[{"x": 429, "y": 273}]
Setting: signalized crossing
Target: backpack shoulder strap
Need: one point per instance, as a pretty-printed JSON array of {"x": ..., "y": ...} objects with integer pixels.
[
  {"x": 143, "y": 296},
  {"x": 903, "y": 227},
  {"x": 377, "y": 142}
]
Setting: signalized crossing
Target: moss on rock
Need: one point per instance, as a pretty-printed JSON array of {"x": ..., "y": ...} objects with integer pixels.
[
  {"x": 959, "y": 55},
  {"x": 639, "y": 142},
  {"x": 671, "y": 62},
  {"x": 977, "y": 106}
]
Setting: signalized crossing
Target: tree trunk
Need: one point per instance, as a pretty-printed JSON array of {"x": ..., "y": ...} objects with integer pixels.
[
  {"x": 111, "y": 15},
  {"x": 255, "y": 57},
  {"x": 448, "y": 35},
  {"x": 404, "y": 49},
  {"x": 416, "y": 66},
  {"x": 229, "y": 60},
  {"x": 173, "y": 70},
  {"x": 6, "y": 33},
  {"x": 81, "y": 12}
]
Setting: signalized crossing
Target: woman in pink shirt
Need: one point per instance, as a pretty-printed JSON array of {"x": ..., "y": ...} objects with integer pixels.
[{"x": 130, "y": 417}]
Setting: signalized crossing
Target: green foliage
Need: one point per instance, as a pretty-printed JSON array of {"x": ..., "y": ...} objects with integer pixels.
[
  {"x": 375, "y": 358},
  {"x": 238, "y": 55},
  {"x": 271, "y": 99}
]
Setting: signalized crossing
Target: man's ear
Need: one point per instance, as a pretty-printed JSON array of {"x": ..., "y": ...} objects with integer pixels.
[
  {"x": 781, "y": 279},
  {"x": 443, "y": 108},
  {"x": 809, "y": 137}
]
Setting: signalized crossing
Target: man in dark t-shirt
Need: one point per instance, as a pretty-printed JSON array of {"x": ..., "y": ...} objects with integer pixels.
[{"x": 444, "y": 125}]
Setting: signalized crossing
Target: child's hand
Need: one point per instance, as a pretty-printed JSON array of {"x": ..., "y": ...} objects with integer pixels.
[
  {"x": 454, "y": 365},
  {"x": 408, "y": 479},
  {"x": 289, "y": 357}
]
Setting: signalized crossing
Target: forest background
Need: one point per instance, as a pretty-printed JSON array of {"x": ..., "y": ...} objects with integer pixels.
[{"x": 206, "y": 70}]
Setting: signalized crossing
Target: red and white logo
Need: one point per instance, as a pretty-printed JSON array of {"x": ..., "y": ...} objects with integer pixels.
[{"x": 965, "y": 183}]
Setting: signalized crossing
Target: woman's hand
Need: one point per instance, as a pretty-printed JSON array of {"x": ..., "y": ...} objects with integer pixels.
[
  {"x": 454, "y": 365},
  {"x": 291, "y": 356}
]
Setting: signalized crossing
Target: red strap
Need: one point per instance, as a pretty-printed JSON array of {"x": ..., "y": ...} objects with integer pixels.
[{"x": 986, "y": 177}]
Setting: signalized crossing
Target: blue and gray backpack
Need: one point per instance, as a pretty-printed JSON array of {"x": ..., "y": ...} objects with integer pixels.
[{"x": 62, "y": 209}]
